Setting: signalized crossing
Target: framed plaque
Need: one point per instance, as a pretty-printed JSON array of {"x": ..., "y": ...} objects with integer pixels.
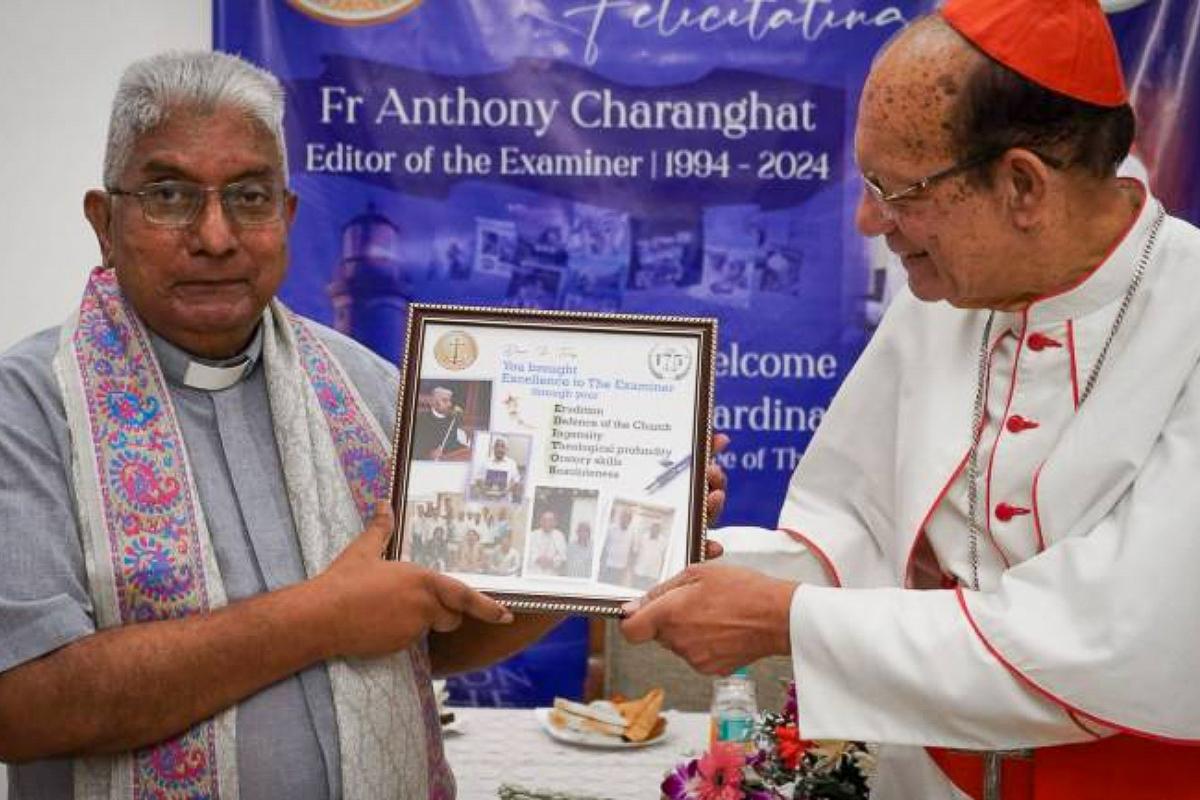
[{"x": 555, "y": 460}]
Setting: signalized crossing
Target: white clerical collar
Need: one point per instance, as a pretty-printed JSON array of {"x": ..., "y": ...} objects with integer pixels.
[
  {"x": 199, "y": 375},
  {"x": 208, "y": 375}
]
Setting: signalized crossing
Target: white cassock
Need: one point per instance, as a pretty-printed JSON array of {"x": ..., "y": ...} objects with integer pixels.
[{"x": 1086, "y": 618}]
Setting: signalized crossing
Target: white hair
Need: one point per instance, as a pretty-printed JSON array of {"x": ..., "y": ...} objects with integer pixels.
[{"x": 190, "y": 82}]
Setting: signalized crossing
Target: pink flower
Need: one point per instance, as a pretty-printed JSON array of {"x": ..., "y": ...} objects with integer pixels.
[{"x": 720, "y": 773}]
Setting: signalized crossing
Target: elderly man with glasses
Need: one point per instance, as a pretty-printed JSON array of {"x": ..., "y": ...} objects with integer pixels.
[
  {"x": 994, "y": 533},
  {"x": 187, "y": 605}
]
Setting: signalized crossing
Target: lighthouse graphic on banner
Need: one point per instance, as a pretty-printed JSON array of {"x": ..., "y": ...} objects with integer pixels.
[{"x": 372, "y": 285}]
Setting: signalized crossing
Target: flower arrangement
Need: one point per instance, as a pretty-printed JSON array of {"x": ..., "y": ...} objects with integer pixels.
[{"x": 781, "y": 766}]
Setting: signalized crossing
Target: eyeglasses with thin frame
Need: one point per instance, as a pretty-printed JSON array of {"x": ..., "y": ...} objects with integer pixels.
[
  {"x": 177, "y": 204},
  {"x": 917, "y": 188}
]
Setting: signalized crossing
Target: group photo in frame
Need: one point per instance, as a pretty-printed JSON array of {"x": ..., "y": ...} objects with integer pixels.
[{"x": 553, "y": 459}]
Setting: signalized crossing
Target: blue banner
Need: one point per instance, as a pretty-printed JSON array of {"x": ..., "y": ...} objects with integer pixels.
[{"x": 661, "y": 156}]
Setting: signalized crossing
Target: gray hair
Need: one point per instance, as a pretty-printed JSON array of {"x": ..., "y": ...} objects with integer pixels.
[{"x": 198, "y": 82}]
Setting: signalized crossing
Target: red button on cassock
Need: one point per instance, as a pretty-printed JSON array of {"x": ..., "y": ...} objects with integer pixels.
[
  {"x": 1005, "y": 512},
  {"x": 1016, "y": 423},
  {"x": 1039, "y": 342}
]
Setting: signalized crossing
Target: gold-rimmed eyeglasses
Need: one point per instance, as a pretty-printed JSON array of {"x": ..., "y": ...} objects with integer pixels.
[
  {"x": 177, "y": 204},
  {"x": 917, "y": 188}
]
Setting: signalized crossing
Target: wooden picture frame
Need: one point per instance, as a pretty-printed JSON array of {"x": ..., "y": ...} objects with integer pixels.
[{"x": 554, "y": 460}]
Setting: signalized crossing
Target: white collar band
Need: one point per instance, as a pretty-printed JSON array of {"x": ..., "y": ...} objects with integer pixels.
[{"x": 214, "y": 379}]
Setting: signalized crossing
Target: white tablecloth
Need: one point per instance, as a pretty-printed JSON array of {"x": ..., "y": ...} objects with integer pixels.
[{"x": 495, "y": 746}]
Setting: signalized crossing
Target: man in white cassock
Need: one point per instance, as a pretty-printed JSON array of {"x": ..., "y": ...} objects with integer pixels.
[
  {"x": 499, "y": 475},
  {"x": 547, "y": 546},
  {"x": 993, "y": 536},
  {"x": 438, "y": 431}
]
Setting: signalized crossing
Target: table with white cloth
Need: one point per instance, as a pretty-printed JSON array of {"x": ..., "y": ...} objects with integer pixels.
[{"x": 495, "y": 746}]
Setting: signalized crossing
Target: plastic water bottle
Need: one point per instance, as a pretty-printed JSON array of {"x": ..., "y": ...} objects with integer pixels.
[{"x": 734, "y": 710}]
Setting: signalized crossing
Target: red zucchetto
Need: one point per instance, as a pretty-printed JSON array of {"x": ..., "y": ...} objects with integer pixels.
[{"x": 1062, "y": 45}]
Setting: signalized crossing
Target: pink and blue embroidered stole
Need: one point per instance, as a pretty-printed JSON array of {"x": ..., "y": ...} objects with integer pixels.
[{"x": 151, "y": 518}]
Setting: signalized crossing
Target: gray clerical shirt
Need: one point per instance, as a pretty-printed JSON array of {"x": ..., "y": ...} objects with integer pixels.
[{"x": 286, "y": 733}]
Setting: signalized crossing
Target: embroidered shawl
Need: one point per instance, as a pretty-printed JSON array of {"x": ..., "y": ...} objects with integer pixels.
[{"x": 150, "y": 557}]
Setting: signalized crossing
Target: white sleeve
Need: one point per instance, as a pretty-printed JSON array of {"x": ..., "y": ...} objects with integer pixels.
[
  {"x": 771, "y": 552},
  {"x": 904, "y": 666}
]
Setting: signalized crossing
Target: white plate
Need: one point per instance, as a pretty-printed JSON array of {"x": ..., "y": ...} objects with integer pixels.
[{"x": 589, "y": 739}]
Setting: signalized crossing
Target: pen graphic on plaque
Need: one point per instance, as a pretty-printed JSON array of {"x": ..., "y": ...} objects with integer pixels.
[{"x": 672, "y": 470}]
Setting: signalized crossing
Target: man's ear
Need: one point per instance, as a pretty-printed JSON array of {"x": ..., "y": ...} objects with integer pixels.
[
  {"x": 1026, "y": 183},
  {"x": 290, "y": 201},
  {"x": 97, "y": 207}
]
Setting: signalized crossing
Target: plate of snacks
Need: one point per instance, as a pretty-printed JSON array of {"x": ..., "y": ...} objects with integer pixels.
[{"x": 615, "y": 724}]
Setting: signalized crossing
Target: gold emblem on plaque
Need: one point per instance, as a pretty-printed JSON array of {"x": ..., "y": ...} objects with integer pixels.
[
  {"x": 354, "y": 13},
  {"x": 456, "y": 350}
]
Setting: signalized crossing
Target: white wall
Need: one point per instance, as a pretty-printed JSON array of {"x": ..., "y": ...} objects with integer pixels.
[{"x": 60, "y": 63}]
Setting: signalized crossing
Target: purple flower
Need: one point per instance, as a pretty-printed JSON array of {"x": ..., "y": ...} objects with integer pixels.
[
  {"x": 683, "y": 782},
  {"x": 758, "y": 760}
]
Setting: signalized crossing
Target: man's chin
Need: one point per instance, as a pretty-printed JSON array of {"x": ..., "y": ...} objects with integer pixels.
[
  {"x": 213, "y": 313},
  {"x": 928, "y": 291},
  {"x": 213, "y": 334}
]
